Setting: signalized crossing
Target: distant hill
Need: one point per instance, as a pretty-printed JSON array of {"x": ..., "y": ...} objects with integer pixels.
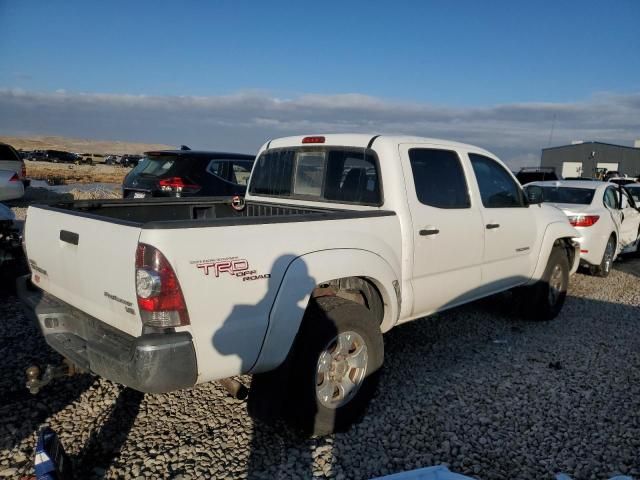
[{"x": 78, "y": 145}]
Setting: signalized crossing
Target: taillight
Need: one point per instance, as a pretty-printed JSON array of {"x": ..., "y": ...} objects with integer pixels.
[
  {"x": 177, "y": 185},
  {"x": 14, "y": 178},
  {"x": 159, "y": 295},
  {"x": 583, "y": 220}
]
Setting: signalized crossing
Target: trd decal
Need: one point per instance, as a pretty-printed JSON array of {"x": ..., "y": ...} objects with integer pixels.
[{"x": 233, "y": 266}]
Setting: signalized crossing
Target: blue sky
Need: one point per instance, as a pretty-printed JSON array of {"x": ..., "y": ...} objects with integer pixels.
[{"x": 438, "y": 54}]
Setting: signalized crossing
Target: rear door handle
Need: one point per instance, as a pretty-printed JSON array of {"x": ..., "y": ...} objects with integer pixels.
[
  {"x": 491, "y": 226},
  {"x": 429, "y": 231}
]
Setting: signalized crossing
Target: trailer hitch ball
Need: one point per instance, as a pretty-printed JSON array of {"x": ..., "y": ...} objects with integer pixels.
[{"x": 33, "y": 382}]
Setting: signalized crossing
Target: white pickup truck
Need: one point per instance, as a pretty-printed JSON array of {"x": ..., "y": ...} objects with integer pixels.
[{"x": 339, "y": 239}]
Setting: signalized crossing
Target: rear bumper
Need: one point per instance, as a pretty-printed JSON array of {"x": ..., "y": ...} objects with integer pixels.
[{"x": 152, "y": 363}]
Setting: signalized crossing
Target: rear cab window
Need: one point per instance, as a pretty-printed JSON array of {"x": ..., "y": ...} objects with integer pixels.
[{"x": 323, "y": 173}]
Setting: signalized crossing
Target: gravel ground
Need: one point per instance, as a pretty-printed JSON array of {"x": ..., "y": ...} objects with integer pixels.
[{"x": 491, "y": 397}]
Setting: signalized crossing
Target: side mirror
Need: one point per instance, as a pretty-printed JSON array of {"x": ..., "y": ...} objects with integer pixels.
[{"x": 535, "y": 194}]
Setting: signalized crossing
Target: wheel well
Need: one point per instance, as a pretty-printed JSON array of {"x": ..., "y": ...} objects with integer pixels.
[
  {"x": 565, "y": 243},
  {"x": 357, "y": 289}
]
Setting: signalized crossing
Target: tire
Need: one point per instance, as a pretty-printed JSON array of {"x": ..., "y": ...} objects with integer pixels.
[
  {"x": 297, "y": 390},
  {"x": 544, "y": 300},
  {"x": 608, "y": 256}
]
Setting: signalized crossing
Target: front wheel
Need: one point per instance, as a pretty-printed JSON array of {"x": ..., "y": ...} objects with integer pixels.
[
  {"x": 544, "y": 300},
  {"x": 332, "y": 371}
]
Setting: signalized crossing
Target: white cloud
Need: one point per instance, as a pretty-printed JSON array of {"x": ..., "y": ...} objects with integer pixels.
[{"x": 243, "y": 121}]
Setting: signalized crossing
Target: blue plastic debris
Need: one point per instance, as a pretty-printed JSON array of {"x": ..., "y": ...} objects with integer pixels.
[
  {"x": 438, "y": 472},
  {"x": 51, "y": 463}
]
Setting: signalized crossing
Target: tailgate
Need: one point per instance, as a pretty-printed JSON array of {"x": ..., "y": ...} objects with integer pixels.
[{"x": 87, "y": 262}]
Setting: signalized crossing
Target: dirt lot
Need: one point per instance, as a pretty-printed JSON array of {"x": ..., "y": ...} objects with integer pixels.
[
  {"x": 69, "y": 173},
  {"x": 489, "y": 395}
]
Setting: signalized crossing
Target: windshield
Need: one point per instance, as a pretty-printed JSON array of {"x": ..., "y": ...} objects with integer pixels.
[
  {"x": 155, "y": 166},
  {"x": 635, "y": 193},
  {"x": 582, "y": 196},
  {"x": 335, "y": 174},
  {"x": 7, "y": 153}
]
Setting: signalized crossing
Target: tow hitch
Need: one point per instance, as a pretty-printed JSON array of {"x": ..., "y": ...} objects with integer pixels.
[{"x": 51, "y": 372}]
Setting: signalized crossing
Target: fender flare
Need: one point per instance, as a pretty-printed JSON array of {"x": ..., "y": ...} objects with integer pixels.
[
  {"x": 553, "y": 232},
  {"x": 295, "y": 290}
]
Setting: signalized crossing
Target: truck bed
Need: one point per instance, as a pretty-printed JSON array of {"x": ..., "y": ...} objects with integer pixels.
[{"x": 199, "y": 212}]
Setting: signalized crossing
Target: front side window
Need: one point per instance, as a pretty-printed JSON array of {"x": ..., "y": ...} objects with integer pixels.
[
  {"x": 497, "y": 188},
  {"x": 336, "y": 174},
  {"x": 439, "y": 178}
]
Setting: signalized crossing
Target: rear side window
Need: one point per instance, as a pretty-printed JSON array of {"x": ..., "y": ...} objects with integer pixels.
[
  {"x": 234, "y": 171},
  {"x": 439, "y": 178},
  {"x": 321, "y": 173},
  {"x": 497, "y": 188}
]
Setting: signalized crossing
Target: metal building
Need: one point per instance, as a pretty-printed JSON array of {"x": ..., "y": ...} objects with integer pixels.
[{"x": 591, "y": 159}]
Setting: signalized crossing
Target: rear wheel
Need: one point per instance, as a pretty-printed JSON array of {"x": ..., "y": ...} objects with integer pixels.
[
  {"x": 544, "y": 300},
  {"x": 604, "y": 268},
  {"x": 332, "y": 371}
]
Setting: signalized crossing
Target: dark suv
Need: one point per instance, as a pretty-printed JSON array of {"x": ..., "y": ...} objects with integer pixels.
[
  {"x": 183, "y": 173},
  {"x": 59, "y": 156}
]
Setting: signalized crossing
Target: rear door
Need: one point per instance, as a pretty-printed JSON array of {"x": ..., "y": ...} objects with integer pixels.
[
  {"x": 509, "y": 225},
  {"x": 447, "y": 231},
  {"x": 630, "y": 219}
]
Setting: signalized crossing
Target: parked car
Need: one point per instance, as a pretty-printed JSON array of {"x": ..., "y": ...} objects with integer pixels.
[
  {"x": 130, "y": 160},
  {"x": 534, "y": 174},
  {"x": 622, "y": 180},
  {"x": 112, "y": 160},
  {"x": 11, "y": 161},
  {"x": 59, "y": 156},
  {"x": 183, "y": 173},
  {"x": 297, "y": 283},
  {"x": 11, "y": 187},
  {"x": 36, "y": 155},
  {"x": 89, "y": 158},
  {"x": 605, "y": 214}
]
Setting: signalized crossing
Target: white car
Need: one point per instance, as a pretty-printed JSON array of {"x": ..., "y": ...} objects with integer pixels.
[
  {"x": 605, "y": 214},
  {"x": 11, "y": 187}
]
